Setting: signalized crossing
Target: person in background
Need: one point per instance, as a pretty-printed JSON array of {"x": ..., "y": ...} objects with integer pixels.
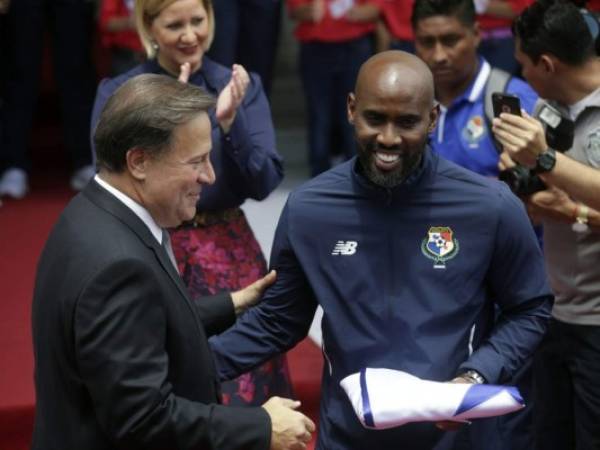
[
  {"x": 71, "y": 27},
  {"x": 335, "y": 37},
  {"x": 396, "y": 16},
  {"x": 247, "y": 33},
  {"x": 117, "y": 33},
  {"x": 497, "y": 43},
  {"x": 447, "y": 38},
  {"x": 555, "y": 45},
  {"x": 216, "y": 250}
]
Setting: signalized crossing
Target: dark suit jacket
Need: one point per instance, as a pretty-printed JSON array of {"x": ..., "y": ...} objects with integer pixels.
[{"x": 121, "y": 352}]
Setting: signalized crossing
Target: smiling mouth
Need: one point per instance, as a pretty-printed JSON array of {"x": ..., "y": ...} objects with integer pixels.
[
  {"x": 386, "y": 161},
  {"x": 387, "y": 158},
  {"x": 188, "y": 50}
]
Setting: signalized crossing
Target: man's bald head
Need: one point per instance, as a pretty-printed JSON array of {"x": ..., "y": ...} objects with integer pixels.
[
  {"x": 393, "y": 112},
  {"x": 387, "y": 71}
]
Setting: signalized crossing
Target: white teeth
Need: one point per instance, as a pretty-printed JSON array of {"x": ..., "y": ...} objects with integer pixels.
[{"x": 387, "y": 157}]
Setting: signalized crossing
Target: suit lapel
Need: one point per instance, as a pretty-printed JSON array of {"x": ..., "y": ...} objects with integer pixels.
[{"x": 108, "y": 202}]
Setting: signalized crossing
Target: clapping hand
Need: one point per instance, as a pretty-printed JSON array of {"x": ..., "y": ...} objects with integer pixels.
[
  {"x": 184, "y": 72},
  {"x": 231, "y": 97}
]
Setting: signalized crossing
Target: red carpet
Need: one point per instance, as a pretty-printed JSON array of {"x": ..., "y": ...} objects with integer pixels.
[{"x": 24, "y": 227}]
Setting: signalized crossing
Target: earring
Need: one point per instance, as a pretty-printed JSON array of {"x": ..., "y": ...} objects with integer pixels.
[{"x": 154, "y": 46}]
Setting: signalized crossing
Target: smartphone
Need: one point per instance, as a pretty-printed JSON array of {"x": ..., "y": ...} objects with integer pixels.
[{"x": 505, "y": 103}]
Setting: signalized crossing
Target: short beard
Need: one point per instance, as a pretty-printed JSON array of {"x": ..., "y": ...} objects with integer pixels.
[{"x": 391, "y": 179}]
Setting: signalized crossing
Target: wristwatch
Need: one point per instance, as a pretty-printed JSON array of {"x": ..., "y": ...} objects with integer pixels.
[
  {"x": 545, "y": 161},
  {"x": 474, "y": 376}
]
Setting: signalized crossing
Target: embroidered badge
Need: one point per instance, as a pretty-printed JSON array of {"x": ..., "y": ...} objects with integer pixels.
[
  {"x": 440, "y": 245},
  {"x": 474, "y": 131},
  {"x": 592, "y": 148}
]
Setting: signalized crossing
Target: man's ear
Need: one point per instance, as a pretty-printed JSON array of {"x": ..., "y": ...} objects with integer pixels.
[
  {"x": 351, "y": 107},
  {"x": 137, "y": 163},
  {"x": 433, "y": 117},
  {"x": 548, "y": 62}
]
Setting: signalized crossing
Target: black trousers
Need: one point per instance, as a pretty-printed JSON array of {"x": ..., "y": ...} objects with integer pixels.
[
  {"x": 71, "y": 27},
  {"x": 567, "y": 388}
]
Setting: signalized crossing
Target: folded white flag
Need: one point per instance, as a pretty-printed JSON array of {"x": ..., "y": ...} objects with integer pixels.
[{"x": 385, "y": 398}]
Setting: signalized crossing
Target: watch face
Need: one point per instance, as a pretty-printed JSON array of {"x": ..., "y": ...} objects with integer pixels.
[{"x": 545, "y": 161}]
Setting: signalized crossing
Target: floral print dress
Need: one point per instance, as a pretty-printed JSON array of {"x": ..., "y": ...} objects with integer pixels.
[{"x": 223, "y": 255}]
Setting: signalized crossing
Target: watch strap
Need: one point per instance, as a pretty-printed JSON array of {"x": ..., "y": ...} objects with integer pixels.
[{"x": 474, "y": 376}]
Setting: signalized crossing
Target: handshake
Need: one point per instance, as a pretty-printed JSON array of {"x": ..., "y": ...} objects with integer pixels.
[{"x": 290, "y": 429}]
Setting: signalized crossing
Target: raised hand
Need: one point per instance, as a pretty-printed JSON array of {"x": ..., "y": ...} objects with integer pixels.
[
  {"x": 184, "y": 72},
  {"x": 523, "y": 138},
  {"x": 231, "y": 97}
]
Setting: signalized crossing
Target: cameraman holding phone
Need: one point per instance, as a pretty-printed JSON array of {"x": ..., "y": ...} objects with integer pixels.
[{"x": 555, "y": 46}]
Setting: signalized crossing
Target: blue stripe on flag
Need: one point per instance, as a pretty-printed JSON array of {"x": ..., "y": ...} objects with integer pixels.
[{"x": 367, "y": 414}]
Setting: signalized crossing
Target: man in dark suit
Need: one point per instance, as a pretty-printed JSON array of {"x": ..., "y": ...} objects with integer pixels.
[{"x": 122, "y": 359}]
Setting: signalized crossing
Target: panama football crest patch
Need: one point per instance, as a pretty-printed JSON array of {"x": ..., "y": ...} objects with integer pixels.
[
  {"x": 474, "y": 131},
  {"x": 440, "y": 245}
]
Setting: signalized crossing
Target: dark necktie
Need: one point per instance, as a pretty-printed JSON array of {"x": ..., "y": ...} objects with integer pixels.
[{"x": 166, "y": 245}]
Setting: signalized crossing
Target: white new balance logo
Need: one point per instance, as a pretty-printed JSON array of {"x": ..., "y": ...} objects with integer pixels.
[{"x": 345, "y": 248}]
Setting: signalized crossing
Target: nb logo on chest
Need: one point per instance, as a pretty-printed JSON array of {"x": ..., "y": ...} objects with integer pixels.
[{"x": 345, "y": 248}]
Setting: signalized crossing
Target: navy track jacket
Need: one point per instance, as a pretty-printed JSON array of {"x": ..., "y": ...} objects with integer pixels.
[{"x": 409, "y": 278}]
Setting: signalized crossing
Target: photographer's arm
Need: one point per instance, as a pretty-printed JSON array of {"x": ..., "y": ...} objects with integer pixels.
[
  {"x": 556, "y": 205},
  {"x": 578, "y": 180},
  {"x": 523, "y": 139}
]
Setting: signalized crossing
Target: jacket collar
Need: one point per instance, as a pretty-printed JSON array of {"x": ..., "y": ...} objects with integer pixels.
[{"x": 115, "y": 207}]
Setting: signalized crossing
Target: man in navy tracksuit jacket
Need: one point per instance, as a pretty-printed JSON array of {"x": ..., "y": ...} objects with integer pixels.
[{"x": 407, "y": 254}]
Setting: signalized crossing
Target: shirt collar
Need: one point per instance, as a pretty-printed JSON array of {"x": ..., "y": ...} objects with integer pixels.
[
  {"x": 137, "y": 209},
  {"x": 591, "y": 100},
  {"x": 478, "y": 85},
  {"x": 474, "y": 91}
]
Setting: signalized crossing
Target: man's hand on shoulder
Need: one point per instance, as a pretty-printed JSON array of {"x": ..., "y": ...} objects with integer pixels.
[
  {"x": 290, "y": 429},
  {"x": 250, "y": 295}
]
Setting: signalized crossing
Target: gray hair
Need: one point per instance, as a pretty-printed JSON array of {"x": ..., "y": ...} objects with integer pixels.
[{"x": 143, "y": 113}]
